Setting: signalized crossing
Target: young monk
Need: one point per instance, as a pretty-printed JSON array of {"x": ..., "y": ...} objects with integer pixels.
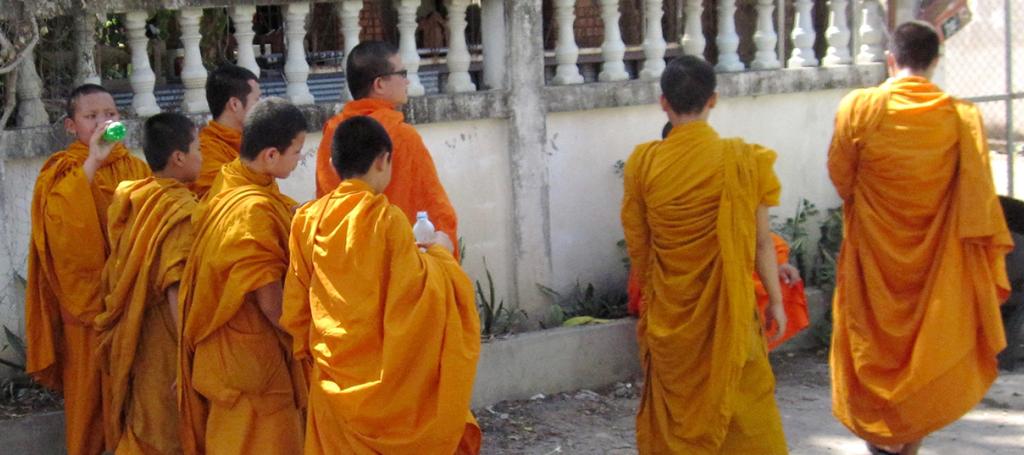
[
  {"x": 794, "y": 300},
  {"x": 392, "y": 331},
  {"x": 695, "y": 215},
  {"x": 921, "y": 274},
  {"x": 240, "y": 390},
  {"x": 66, "y": 256},
  {"x": 150, "y": 231},
  {"x": 377, "y": 80},
  {"x": 231, "y": 91}
]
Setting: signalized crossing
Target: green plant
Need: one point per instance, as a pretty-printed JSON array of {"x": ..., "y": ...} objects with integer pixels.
[
  {"x": 18, "y": 346},
  {"x": 794, "y": 230},
  {"x": 828, "y": 249},
  {"x": 495, "y": 317},
  {"x": 586, "y": 301}
]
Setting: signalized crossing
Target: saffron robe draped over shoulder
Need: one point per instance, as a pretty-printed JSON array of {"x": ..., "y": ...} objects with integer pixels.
[
  {"x": 240, "y": 391},
  {"x": 219, "y": 145},
  {"x": 414, "y": 185},
  {"x": 921, "y": 271},
  {"x": 150, "y": 230},
  {"x": 393, "y": 333},
  {"x": 689, "y": 215},
  {"x": 63, "y": 295}
]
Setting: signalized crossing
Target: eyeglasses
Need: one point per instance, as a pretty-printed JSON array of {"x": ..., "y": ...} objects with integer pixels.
[{"x": 403, "y": 73}]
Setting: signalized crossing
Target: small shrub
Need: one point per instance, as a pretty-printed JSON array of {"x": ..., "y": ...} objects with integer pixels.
[
  {"x": 586, "y": 301},
  {"x": 495, "y": 317}
]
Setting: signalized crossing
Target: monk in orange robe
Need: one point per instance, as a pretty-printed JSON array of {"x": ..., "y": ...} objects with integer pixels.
[
  {"x": 231, "y": 91},
  {"x": 150, "y": 231},
  {"x": 390, "y": 326},
  {"x": 921, "y": 272},
  {"x": 240, "y": 390},
  {"x": 696, "y": 222},
  {"x": 794, "y": 300},
  {"x": 66, "y": 255},
  {"x": 377, "y": 80}
]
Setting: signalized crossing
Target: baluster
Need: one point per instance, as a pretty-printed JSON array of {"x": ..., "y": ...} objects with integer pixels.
[
  {"x": 613, "y": 50},
  {"x": 142, "y": 78},
  {"x": 765, "y": 38},
  {"x": 693, "y": 41},
  {"x": 838, "y": 35},
  {"x": 242, "y": 17},
  {"x": 458, "y": 52},
  {"x": 727, "y": 40},
  {"x": 193, "y": 73},
  {"x": 348, "y": 12},
  {"x": 803, "y": 37},
  {"x": 871, "y": 37},
  {"x": 296, "y": 70},
  {"x": 85, "y": 48},
  {"x": 31, "y": 111},
  {"x": 566, "y": 51},
  {"x": 407, "y": 44},
  {"x": 654, "y": 42}
]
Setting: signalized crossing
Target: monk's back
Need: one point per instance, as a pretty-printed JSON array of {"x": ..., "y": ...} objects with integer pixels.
[{"x": 911, "y": 158}]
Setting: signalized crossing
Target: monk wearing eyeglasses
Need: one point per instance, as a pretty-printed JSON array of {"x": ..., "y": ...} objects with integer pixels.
[{"x": 378, "y": 81}]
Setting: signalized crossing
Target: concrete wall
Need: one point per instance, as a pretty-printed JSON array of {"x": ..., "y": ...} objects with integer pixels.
[{"x": 473, "y": 160}]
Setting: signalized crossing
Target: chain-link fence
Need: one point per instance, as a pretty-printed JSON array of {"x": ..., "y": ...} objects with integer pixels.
[{"x": 980, "y": 65}]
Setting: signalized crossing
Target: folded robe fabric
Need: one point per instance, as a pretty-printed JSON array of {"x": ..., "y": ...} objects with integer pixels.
[
  {"x": 63, "y": 294},
  {"x": 921, "y": 272},
  {"x": 219, "y": 145},
  {"x": 689, "y": 215},
  {"x": 392, "y": 333},
  {"x": 150, "y": 229},
  {"x": 240, "y": 390}
]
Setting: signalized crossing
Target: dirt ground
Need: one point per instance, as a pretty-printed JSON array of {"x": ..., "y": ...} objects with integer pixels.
[{"x": 601, "y": 421}]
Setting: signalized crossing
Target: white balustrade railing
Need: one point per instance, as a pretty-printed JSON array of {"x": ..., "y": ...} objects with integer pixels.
[
  {"x": 566, "y": 52},
  {"x": 193, "y": 73},
  {"x": 728, "y": 41},
  {"x": 654, "y": 41},
  {"x": 855, "y": 35},
  {"x": 142, "y": 78},
  {"x": 242, "y": 17},
  {"x": 613, "y": 50},
  {"x": 458, "y": 52}
]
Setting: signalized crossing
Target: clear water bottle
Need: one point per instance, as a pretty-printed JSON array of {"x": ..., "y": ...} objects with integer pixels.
[{"x": 423, "y": 230}]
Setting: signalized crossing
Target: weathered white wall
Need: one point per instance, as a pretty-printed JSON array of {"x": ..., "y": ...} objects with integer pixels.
[{"x": 472, "y": 158}]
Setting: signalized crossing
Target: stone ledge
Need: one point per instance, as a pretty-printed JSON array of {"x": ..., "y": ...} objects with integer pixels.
[
  {"x": 556, "y": 360},
  {"x": 41, "y": 141},
  {"x": 749, "y": 83},
  {"x": 37, "y": 433}
]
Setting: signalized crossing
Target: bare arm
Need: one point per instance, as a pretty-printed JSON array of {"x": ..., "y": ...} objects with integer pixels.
[
  {"x": 767, "y": 267},
  {"x": 99, "y": 150},
  {"x": 269, "y": 299}
]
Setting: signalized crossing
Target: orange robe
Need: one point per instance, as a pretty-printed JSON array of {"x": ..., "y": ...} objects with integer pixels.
[
  {"x": 794, "y": 300},
  {"x": 240, "y": 391},
  {"x": 689, "y": 215},
  {"x": 921, "y": 271},
  {"x": 414, "y": 183},
  {"x": 63, "y": 295},
  {"x": 392, "y": 332},
  {"x": 219, "y": 145},
  {"x": 150, "y": 229}
]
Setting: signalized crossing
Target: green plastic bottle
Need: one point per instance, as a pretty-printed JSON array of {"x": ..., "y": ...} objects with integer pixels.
[{"x": 115, "y": 132}]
